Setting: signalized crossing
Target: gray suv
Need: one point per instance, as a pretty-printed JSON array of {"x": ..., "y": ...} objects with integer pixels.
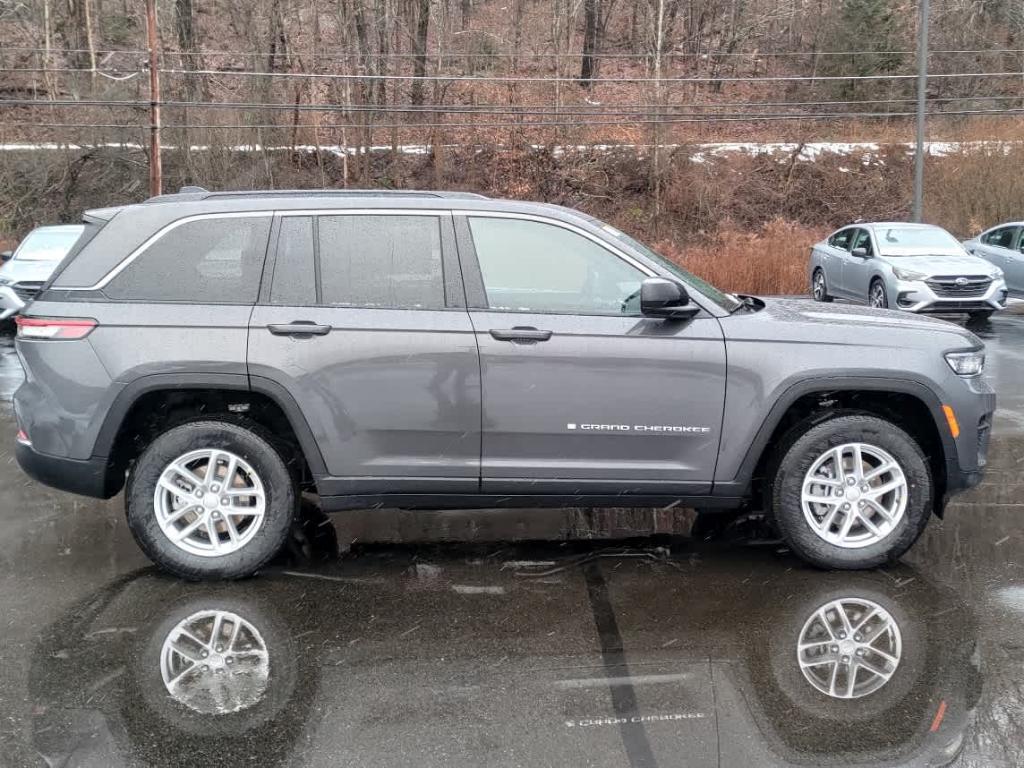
[{"x": 218, "y": 354}]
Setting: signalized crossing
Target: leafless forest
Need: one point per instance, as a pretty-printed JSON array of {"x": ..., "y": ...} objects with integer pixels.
[{"x": 604, "y": 105}]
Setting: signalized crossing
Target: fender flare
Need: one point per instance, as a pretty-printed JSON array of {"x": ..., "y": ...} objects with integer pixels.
[
  {"x": 130, "y": 394},
  {"x": 924, "y": 393}
]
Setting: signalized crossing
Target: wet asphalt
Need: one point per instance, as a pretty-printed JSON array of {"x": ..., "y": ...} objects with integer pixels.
[{"x": 517, "y": 637}]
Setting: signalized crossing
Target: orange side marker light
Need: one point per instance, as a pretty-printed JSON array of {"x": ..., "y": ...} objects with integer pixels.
[{"x": 954, "y": 427}]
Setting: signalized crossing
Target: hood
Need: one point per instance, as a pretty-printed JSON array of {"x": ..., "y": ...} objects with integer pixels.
[
  {"x": 850, "y": 316},
  {"x": 941, "y": 264},
  {"x": 27, "y": 270}
]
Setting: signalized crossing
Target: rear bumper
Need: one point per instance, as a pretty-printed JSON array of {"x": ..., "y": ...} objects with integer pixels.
[{"x": 86, "y": 478}]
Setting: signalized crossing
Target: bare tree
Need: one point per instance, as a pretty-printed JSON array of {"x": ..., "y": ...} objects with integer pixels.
[
  {"x": 419, "y": 45},
  {"x": 591, "y": 30}
]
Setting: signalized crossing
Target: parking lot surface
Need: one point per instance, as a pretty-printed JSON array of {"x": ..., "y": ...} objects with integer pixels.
[{"x": 517, "y": 637}]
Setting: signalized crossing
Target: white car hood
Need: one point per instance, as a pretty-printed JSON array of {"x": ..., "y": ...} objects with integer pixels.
[
  {"x": 941, "y": 264},
  {"x": 30, "y": 270}
]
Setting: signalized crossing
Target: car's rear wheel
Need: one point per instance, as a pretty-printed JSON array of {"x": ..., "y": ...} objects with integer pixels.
[
  {"x": 211, "y": 499},
  {"x": 851, "y": 492},
  {"x": 819, "y": 287},
  {"x": 877, "y": 296}
]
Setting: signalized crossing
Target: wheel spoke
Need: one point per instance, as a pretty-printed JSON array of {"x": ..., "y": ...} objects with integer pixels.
[
  {"x": 189, "y": 529},
  {"x": 877, "y": 492},
  {"x": 177, "y": 515},
  {"x": 188, "y": 474},
  {"x": 880, "y": 470},
  {"x": 858, "y": 463},
  {"x": 814, "y": 498},
  {"x": 212, "y": 533},
  {"x": 851, "y": 518},
  {"x": 869, "y": 525},
  {"x": 229, "y": 474}
]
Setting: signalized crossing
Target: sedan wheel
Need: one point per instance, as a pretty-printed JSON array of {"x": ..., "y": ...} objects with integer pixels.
[
  {"x": 818, "y": 287},
  {"x": 877, "y": 297}
]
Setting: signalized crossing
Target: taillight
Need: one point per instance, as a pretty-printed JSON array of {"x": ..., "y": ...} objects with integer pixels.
[
  {"x": 54, "y": 327},
  {"x": 22, "y": 437}
]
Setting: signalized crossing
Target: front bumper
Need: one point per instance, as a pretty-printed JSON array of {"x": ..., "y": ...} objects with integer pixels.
[
  {"x": 10, "y": 302},
  {"x": 918, "y": 296},
  {"x": 90, "y": 477}
]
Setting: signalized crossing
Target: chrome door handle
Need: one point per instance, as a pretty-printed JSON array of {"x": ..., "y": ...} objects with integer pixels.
[
  {"x": 520, "y": 334},
  {"x": 299, "y": 328}
]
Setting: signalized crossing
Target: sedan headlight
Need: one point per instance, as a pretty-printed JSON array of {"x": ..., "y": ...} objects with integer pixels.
[
  {"x": 966, "y": 363},
  {"x": 908, "y": 274}
]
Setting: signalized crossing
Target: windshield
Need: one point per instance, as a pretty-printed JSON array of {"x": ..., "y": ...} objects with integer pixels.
[
  {"x": 726, "y": 301},
  {"x": 897, "y": 238},
  {"x": 50, "y": 244}
]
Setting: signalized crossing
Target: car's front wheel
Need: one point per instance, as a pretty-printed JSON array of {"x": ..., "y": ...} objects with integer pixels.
[
  {"x": 819, "y": 287},
  {"x": 877, "y": 296},
  {"x": 210, "y": 500},
  {"x": 851, "y": 492}
]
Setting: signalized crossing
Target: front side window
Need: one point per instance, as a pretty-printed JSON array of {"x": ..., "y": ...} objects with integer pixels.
[
  {"x": 530, "y": 266},
  {"x": 215, "y": 260},
  {"x": 387, "y": 262},
  {"x": 862, "y": 240},
  {"x": 841, "y": 239},
  {"x": 1002, "y": 237}
]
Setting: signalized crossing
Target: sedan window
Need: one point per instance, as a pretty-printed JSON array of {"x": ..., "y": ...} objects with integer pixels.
[
  {"x": 841, "y": 239},
  {"x": 1001, "y": 238}
]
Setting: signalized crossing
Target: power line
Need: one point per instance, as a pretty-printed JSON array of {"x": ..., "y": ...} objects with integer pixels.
[
  {"x": 521, "y": 55},
  {"x": 670, "y": 119},
  {"x": 484, "y": 109},
  {"x": 533, "y": 79}
]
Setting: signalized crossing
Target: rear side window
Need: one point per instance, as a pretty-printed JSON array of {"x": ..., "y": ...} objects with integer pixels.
[
  {"x": 381, "y": 261},
  {"x": 215, "y": 260}
]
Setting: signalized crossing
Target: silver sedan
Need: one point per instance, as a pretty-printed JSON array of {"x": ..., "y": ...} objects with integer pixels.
[
  {"x": 912, "y": 267},
  {"x": 1003, "y": 245}
]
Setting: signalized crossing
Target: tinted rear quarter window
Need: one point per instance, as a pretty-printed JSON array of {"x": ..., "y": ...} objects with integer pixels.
[
  {"x": 387, "y": 261},
  {"x": 216, "y": 260}
]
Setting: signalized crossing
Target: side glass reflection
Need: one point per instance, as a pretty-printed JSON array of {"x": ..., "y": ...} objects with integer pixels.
[{"x": 849, "y": 648}]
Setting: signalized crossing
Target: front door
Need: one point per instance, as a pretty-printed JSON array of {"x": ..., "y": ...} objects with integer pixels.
[
  {"x": 364, "y": 324},
  {"x": 581, "y": 393},
  {"x": 857, "y": 269}
]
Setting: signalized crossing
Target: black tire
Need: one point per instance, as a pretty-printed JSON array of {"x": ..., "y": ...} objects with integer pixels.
[
  {"x": 883, "y": 302},
  {"x": 250, "y": 443},
  {"x": 823, "y": 294},
  {"x": 803, "y": 445}
]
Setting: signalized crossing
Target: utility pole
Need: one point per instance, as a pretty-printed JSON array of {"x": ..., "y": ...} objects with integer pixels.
[
  {"x": 155, "y": 170},
  {"x": 922, "y": 86}
]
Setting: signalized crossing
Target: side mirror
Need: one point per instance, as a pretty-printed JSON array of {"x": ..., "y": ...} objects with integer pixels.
[
  {"x": 666, "y": 299},
  {"x": 6, "y": 255},
  {"x": 860, "y": 252}
]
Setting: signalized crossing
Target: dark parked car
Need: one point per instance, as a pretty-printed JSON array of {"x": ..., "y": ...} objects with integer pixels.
[{"x": 216, "y": 353}]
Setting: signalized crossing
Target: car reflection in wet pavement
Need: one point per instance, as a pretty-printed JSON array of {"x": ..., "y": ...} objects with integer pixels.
[{"x": 378, "y": 639}]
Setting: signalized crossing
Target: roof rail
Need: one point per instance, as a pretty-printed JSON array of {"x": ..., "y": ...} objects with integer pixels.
[{"x": 198, "y": 193}]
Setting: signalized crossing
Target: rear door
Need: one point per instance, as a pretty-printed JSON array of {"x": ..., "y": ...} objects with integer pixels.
[
  {"x": 362, "y": 319},
  {"x": 581, "y": 393}
]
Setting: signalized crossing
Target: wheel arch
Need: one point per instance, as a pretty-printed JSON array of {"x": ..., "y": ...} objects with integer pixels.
[
  {"x": 187, "y": 395},
  {"x": 911, "y": 404}
]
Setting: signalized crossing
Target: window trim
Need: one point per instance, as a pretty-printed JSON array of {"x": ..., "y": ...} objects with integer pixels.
[
  {"x": 152, "y": 239},
  {"x": 467, "y": 251}
]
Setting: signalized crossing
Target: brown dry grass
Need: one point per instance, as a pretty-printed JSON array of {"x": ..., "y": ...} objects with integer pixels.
[{"x": 769, "y": 260}]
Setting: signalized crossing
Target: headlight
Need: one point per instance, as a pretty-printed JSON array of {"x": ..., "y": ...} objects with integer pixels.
[
  {"x": 909, "y": 274},
  {"x": 4, "y": 281},
  {"x": 996, "y": 273},
  {"x": 966, "y": 363}
]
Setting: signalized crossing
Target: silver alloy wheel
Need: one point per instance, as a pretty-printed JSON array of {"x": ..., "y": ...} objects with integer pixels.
[
  {"x": 854, "y": 495},
  {"x": 877, "y": 298},
  {"x": 819, "y": 286},
  {"x": 215, "y": 662},
  {"x": 849, "y": 648},
  {"x": 209, "y": 502}
]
